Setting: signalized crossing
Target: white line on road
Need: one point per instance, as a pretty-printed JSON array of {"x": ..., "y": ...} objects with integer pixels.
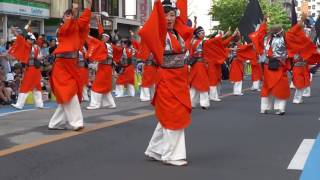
[
  {"x": 301, "y": 156},
  {"x": 15, "y": 112}
]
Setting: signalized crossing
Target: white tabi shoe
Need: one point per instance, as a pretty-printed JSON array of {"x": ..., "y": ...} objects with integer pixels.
[
  {"x": 264, "y": 111},
  {"x": 15, "y": 106},
  {"x": 241, "y": 94},
  {"x": 58, "y": 128},
  {"x": 215, "y": 99},
  {"x": 77, "y": 128},
  {"x": 297, "y": 102},
  {"x": 280, "y": 113},
  {"x": 176, "y": 163},
  {"x": 205, "y": 108},
  {"x": 110, "y": 107},
  {"x": 152, "y": 156},
  {"x": 93, "y": 107}
]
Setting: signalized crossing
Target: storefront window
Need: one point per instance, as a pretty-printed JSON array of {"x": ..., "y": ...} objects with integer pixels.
[
  {"x": 95, "y": 6},
  {"x": 113, "y": 7},
  {"x": 1, "y": 26},
  {"x": 130, "y": 9},
  {"x": 104, "y": 5},
  {"x": 20, "y": 22}
]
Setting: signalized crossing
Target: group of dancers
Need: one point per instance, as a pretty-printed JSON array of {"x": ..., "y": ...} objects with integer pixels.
[{"x": 181, "y": 69}]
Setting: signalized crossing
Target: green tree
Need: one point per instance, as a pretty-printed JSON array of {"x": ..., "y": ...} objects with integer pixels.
[{"x": 229, "y": 13}]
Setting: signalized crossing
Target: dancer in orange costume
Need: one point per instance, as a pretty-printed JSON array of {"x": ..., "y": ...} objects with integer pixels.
[
  {"x": 277, "y": 48},
  {"x": 28, "y": 53},
  {"x": 165, "y": 35},
  {"x": 218, "y": 46},
  {"x": 65, "y": 80},
  {"x": 199, "y": 80},
  {"x": 101, "y": 52},
  {"x": 124, "y": 58}
]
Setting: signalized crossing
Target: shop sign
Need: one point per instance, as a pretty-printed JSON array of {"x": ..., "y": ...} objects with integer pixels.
[{"x": 24, "y": 8}]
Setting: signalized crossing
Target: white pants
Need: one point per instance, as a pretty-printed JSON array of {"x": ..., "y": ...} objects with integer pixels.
[
  {"x": 146, "y": 94},
  {"x": 237, "y": 88},
  {"x": 298, "y": 96},
  {"x": 266, "y": 104},
  {"x": 120, "y": 90},
  {"x": 213, "y": 94},
  {"x": 292, "y": 85},
  {"x": 197, "y": 97},
  {"x": 85, "y": 96},
  {"x": 104, "y": 100},
  {"x": 68, "y": 114},
  {"x": 37, "y": 98},
  {"x": 307, "y": 92},
  {"x": 255, "y": 85},
  {"x": 168, "y": 144}
]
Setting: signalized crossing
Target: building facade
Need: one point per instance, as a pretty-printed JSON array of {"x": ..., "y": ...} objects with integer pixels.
[
  {"x": 124, "y": 15},
  {"x": 310, "y": 7},
  {"x": 18, "y": 12}
]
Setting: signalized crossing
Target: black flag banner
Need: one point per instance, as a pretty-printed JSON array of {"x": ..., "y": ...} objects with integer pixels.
[
  {"x": 294, "y": 18},
  {"x": 317, "y": 27},
  {"x": 252, "y": 17}
]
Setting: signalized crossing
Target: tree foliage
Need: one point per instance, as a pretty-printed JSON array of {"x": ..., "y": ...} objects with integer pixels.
[{"x": 229, "y": 13}]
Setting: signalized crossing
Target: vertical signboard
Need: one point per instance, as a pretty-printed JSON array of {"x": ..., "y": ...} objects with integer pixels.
[{"x": 143, "y": 7}]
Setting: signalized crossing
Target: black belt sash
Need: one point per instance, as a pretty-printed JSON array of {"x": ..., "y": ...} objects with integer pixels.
[
  {"x": 107, "y": 62},
  {"x": 173, "y": 61},
  {"x": 68, "y": 55}
]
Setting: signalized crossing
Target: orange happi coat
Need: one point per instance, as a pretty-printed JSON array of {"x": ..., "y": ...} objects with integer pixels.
[
  {"x": 307, "y": 53},
  {"x": 65, "y": 80},
  {"x": 258, "y": 39},
  {"x": 97, "y": 51},
  {"x": 236, "y": 70},
  {"x": 301, "y": 74},
  {"x": 215, "y": 54},
  {"x": 244, "y": 52},
  {"x": 172, "y": 99},
  {"x": 256, "y": 74},
  {"x": 149, "y": 73},
  {"x": 21, "y": 50},
  {"x": 127, "y": 77},
  {"x": 83, "y": 71},
  {"x": 199, "y": 72},
  {"x": 301, "y": 77}
]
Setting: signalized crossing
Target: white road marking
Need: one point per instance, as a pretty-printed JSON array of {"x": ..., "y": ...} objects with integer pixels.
[
  {"x": 301, "y": 156},
  {"x": 15, "y": 112}
]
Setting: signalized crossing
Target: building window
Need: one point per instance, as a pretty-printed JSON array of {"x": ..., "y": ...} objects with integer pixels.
[
  {"x": 313, "y": 6},
  {"x": 130, "y": 9},
  {"x": 104, "y": 5},
  {"x": 95, "y": 6},
  {"x": 113, "y": 7}
]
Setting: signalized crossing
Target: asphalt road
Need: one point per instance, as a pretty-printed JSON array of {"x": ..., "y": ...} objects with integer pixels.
[{"x": 229, "y": 141}]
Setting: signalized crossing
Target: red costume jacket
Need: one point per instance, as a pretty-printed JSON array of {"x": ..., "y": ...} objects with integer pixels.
[
  {"x": 199, "y": 72},
  {"x": 172, "y": 99},
  {"x": 21, "y": 50},
  {"x": 65, "y": 80}
]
